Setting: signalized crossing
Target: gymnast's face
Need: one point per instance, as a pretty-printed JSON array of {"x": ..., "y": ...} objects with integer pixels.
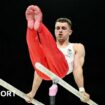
[{"x": 62, "y": 31}]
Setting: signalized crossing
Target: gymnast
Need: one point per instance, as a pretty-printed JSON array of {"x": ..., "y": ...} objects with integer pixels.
[{"x": 61, "y": 56}]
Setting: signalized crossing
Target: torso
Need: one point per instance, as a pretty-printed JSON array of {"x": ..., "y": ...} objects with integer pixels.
[{"x": 69, "y": 53}]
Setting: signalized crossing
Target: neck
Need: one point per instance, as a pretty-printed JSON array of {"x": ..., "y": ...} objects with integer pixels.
[{"x": 62, "y": 43}]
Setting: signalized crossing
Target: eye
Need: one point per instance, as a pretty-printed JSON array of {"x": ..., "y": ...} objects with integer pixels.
[
  {"x": 57, "y": 28},
  {"x": 64, "y": 28}
]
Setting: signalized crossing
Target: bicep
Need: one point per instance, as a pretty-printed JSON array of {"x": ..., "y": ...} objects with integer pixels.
[{"x": 79, "y": 56}]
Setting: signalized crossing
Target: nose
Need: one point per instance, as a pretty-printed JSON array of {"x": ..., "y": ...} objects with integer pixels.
[{"x": 60, "y": 30}]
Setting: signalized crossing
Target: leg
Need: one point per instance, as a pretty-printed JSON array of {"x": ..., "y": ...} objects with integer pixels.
[
  {"x": 45, "y": 52},
  {"x": 55, "y": 59},
  {"x": 34, "y": 46}
]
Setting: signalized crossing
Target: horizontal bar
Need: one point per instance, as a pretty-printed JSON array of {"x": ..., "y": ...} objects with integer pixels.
[
  {"x": 18, "y": 92},
  {"x": 61, "y": 82}
]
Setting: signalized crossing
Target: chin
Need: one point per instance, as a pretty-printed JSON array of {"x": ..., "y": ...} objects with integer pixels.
[{"x": 61, "y": 40}]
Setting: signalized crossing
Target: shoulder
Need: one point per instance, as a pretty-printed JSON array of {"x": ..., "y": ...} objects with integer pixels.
[{"x": 79, "y": 47}]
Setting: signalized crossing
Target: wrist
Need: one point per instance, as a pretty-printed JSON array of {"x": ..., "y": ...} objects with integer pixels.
[{"x": 81, "y": 89}]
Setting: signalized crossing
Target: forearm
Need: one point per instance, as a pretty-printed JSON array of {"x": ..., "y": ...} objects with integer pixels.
[
  {"x": 78, "y": 76},
  {"x": 36, "y": 83},
  {"x": 79, "y": 79}
]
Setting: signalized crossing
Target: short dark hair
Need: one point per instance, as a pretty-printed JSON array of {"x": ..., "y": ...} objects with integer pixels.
[{"x": 68, "y": 21}]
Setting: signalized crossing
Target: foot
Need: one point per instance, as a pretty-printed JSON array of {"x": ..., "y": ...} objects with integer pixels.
[
  {"x": 34, "y": 17},
  {"x": 30, "y": 16},
  {"x": 37, "y": 17}
]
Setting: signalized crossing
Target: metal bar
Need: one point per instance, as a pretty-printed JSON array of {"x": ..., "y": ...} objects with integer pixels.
[
  {"x": 61, "y": 82},
  {"x": 18, "y": 92}
]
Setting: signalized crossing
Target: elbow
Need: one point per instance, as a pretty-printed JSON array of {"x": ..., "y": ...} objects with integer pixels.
[{"x": 78, "y": 71}]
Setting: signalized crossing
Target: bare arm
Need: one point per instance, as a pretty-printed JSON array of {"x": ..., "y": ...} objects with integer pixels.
[
  {"x": 78, "y": 71},
  {"x": 78, "y": 64},
  {"x": 36, "y": 83}
]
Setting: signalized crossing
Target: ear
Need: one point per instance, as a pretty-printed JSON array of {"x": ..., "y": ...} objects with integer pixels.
[{"x": 70, "y": 32}]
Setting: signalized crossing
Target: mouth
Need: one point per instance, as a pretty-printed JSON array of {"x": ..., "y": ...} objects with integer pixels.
[{"x": 60, "y": 34}]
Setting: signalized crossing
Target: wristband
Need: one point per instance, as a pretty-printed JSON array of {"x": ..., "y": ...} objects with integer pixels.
[{"x": 81, "y": 89}]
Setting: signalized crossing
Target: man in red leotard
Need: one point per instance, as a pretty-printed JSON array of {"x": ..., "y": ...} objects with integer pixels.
[{"x": 43, "y": 48}]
